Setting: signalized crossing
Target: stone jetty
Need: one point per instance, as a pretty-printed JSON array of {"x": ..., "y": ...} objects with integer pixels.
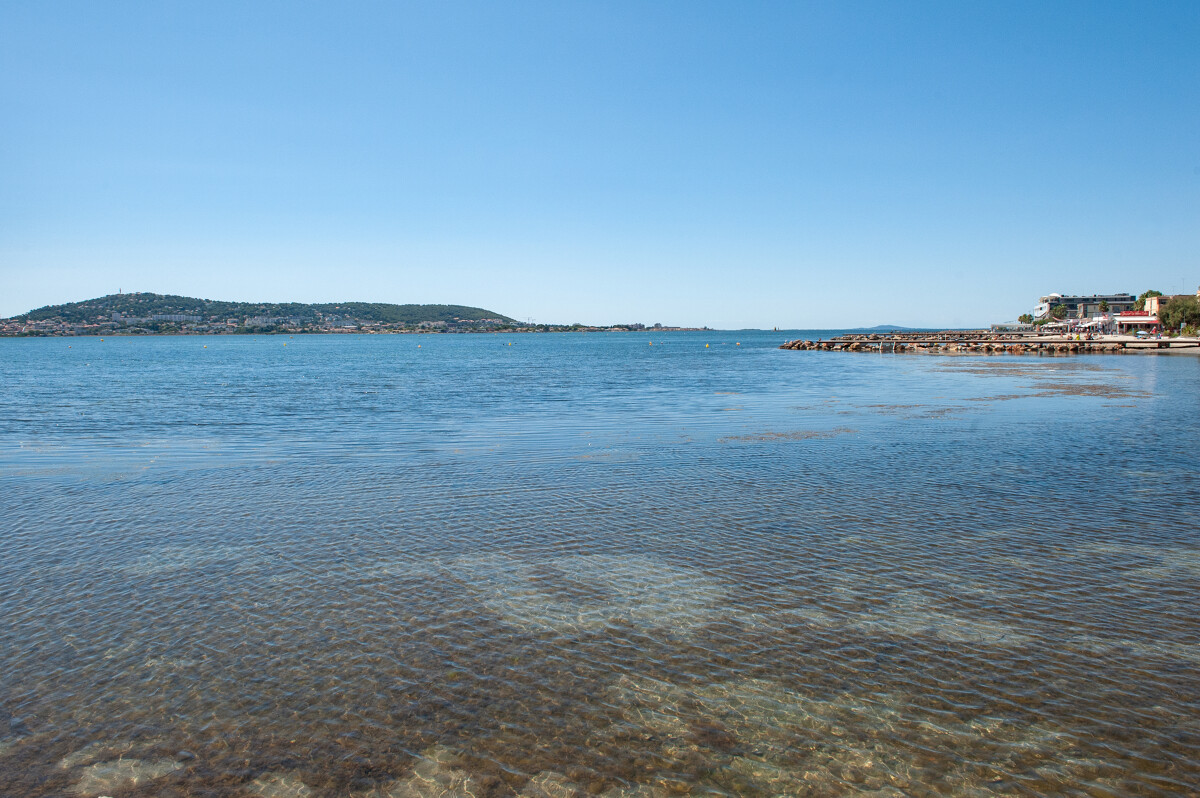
[{"x": 983, "y": 342}]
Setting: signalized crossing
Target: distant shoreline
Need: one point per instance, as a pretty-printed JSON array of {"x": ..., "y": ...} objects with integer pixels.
[
  {"x": 293, "y": 332},
  {"x": 142, "y": 313}
]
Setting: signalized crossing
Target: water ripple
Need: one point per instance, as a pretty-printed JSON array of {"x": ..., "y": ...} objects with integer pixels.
[{"x": 576, "y": 566}]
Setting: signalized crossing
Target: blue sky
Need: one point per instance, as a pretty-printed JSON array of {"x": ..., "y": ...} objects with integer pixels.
[{"x": 730, "y": 164}]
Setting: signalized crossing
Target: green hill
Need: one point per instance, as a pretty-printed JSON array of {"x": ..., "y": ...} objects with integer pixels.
[{"x": 149, "y": 305}]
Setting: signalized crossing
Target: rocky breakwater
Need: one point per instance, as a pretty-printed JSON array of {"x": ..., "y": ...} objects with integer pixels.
[{"x": 941, "y": 343}]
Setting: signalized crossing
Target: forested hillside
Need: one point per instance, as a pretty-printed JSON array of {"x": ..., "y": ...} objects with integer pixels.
[{"x": 145, "y": 305}]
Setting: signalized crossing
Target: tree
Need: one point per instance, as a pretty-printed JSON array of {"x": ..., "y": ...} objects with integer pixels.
[
  {"x": 1104, "y": 306},
  {"x": 1142, "y": 297},
  {"x": 1178, "y": 311},
  {"x": 1059, "y": 311},
  {"x": 1025, "y": 318}
]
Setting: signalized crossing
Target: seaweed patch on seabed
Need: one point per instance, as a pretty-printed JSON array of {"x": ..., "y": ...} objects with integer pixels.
[
  {"x": 891, "y": 410},
  {"x": 942, "y": 412},
  {"x": 908, "y": 411},
  {"x": 1100, "y": 390},
  {"x": 1021, "y": 368},
  {"x": 780, "y": 741},
  {"x": 797, "y": 435},
  {"x": 1051, "y": 379},
  {"x": 588, "y": 592},
  {"x": 822, "y": 405}
]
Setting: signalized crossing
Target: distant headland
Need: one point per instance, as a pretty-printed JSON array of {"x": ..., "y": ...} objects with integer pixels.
[{"x": 167, "y": 314}]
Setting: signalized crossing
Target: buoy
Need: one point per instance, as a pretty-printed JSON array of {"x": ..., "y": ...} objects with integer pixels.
[
  {"x": 418, "y": 346},
  {"x": 101, "y": 340},
  {"x": 206, "y": 346},
  {"x": 651, "y": 343},
  {"x": 706, "y": 346},
  {"x": 739, "y": 343}
]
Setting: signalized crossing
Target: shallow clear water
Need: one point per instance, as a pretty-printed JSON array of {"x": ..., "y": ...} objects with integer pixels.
[{"x": 582, "y": 564}]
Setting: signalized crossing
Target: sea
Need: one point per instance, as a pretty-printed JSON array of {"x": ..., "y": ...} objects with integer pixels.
[{"x": 594, "y": 564}]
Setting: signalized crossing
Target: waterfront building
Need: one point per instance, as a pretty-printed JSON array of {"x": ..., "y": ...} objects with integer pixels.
[
  {"x": 1133, "y": 320},
  {"x": 1080, "y": 307},
  {"x": 1155, "y": 303}
]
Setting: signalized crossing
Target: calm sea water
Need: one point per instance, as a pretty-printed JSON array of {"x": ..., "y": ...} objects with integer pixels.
[{"x": 567, "y": 564}]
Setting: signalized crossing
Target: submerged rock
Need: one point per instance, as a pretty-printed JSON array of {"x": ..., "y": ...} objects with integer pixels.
[
  {"x": 121, "y": 774},
  {"x": 588, "y": 592},
  {"x": 93, "y": 752},
  {"x": 792, "y": 742}
]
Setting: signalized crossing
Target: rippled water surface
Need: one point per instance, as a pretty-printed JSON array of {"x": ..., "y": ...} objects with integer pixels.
[{"x": 561, "y": 565}]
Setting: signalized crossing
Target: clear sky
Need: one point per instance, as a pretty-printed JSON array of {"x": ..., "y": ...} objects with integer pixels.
[{"x": 732, "y": 164}]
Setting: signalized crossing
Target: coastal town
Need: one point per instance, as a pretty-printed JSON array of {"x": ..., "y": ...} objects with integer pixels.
[
  {"x": 164, "y": 314},
  {"x": 1059, "y": 324},
  {"x": 183, "y": 324},
  {"x": 1151, "y": 312},
  {"x": 178, "y": 324}
]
